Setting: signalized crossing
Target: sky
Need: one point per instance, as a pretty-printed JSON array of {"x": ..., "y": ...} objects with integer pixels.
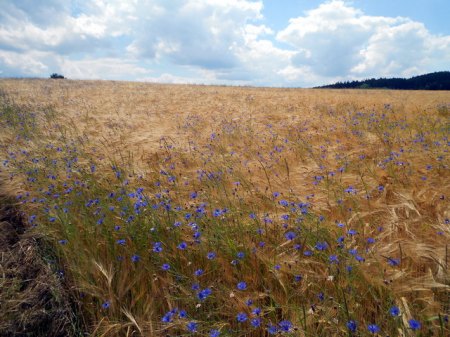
[{"x": 277, "y": 43}]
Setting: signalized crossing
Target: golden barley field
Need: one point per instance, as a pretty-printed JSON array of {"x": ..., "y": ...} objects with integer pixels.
[{"x": 182, "y": 210}]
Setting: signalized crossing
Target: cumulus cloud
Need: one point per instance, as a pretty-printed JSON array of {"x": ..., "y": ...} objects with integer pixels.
[
  {"x": 405, "y": 49},
  {"x": 64, "y": 27},
  {"x": 210, "y": 41},
  {"x": 337, "y": 41},
  {"x": 32, "y": 64},
  {"x": 41, "y": 13},
  {"x": 38, "y": 63},
  {"x": 103, "y": 68},
  {"x": 195, "y": 33}
]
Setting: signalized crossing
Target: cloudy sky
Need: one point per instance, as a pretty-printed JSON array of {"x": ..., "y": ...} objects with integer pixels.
[{"x": 242, "y": 42}]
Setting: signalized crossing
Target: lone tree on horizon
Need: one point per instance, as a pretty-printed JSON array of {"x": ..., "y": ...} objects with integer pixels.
[{"x": 56, "y": 76}]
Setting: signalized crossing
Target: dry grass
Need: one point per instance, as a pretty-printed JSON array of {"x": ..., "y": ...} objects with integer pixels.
[
  {"x": 308, "y": 146},
  {"x": 34, "y": 300}
]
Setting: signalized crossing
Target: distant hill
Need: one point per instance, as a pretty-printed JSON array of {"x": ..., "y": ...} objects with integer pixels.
[{"x": 433, "y": 81}]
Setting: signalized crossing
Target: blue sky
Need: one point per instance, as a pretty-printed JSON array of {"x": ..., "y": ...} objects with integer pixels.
[{"x": 240, "y": 42}]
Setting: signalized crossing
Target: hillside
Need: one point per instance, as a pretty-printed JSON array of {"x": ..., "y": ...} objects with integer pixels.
[{"x": 433, "y": 81}]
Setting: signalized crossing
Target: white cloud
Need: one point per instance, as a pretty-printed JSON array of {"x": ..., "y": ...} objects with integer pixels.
[
  {"x": 102, "y": 68},
  {"x": 337, "y": 41},
  {"x": 194, "y": 33},
  {"x": 210, "y": 41},
  {"x": 38, "y": 63},
  {"x": 260, "y": 60},
  {"x": 52, "y": 26},
  {"x": 29, "y": 64},
  {"x": 42, "y": 13},
  {"x": 405, "y": 49}
]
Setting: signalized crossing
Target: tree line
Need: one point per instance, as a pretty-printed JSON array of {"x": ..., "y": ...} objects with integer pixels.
[{"x": 432, "y": 81}]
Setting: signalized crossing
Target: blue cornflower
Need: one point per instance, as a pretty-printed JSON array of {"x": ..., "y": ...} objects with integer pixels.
[
  {"x": 321, "y": 296},
  {"x": 290, "y": 235},
  {"x": 167, "y": 318},
  {"x": 256, "y": 322},
  {"x": 393, "y": 262},
  {"x": 352, "y": 232},
  {"x": 202, "y": 295},
  {"x": 242, "y": 285},
  {"x": 62, "y": 242},
  {"x": 321, "y": 245},
  {"x": 241, "y": 317},
  {"x": 351, "y": 190},
  {"x": 283, "y": 203},
  {"x": 211, "y": 255},
  {"x": 370, "y": 240},
  {"x": 334, "y": 259},
  {"x": 307, "y": 253},
  {"x": 256, "y": 311},
  {"x": 157, "y": 247},
  {"x": 193, "y": 195},
  {"x": 165, "y": 266},
  {"x": 240, "y": 255},
  {"x": 214, "y": 333},
  {"x": 272, "y": 329},
  {"x": 182, "y": 246},
  {"x": 298, "y": 278},
  {"x": 340, "y": 225},
  {"x": 373, "y": 328},
  {"x": 135, "y": 258},
  {"x": 394, "y": 311},
  {"x": 414, "y": 324},
  {"x": 198, "y": 272},
  {"x": 192, "y": 326},
  {"x": 249, "y": 302},
  {"x": 285, "y": 326},
  {"x": 182, "y": 314},
  {"x": 106, "y": 304},
  {"x": 351, "y": 325}
]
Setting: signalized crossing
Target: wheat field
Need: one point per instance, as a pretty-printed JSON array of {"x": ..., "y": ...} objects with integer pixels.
[{"x": 182, "y": 210}]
